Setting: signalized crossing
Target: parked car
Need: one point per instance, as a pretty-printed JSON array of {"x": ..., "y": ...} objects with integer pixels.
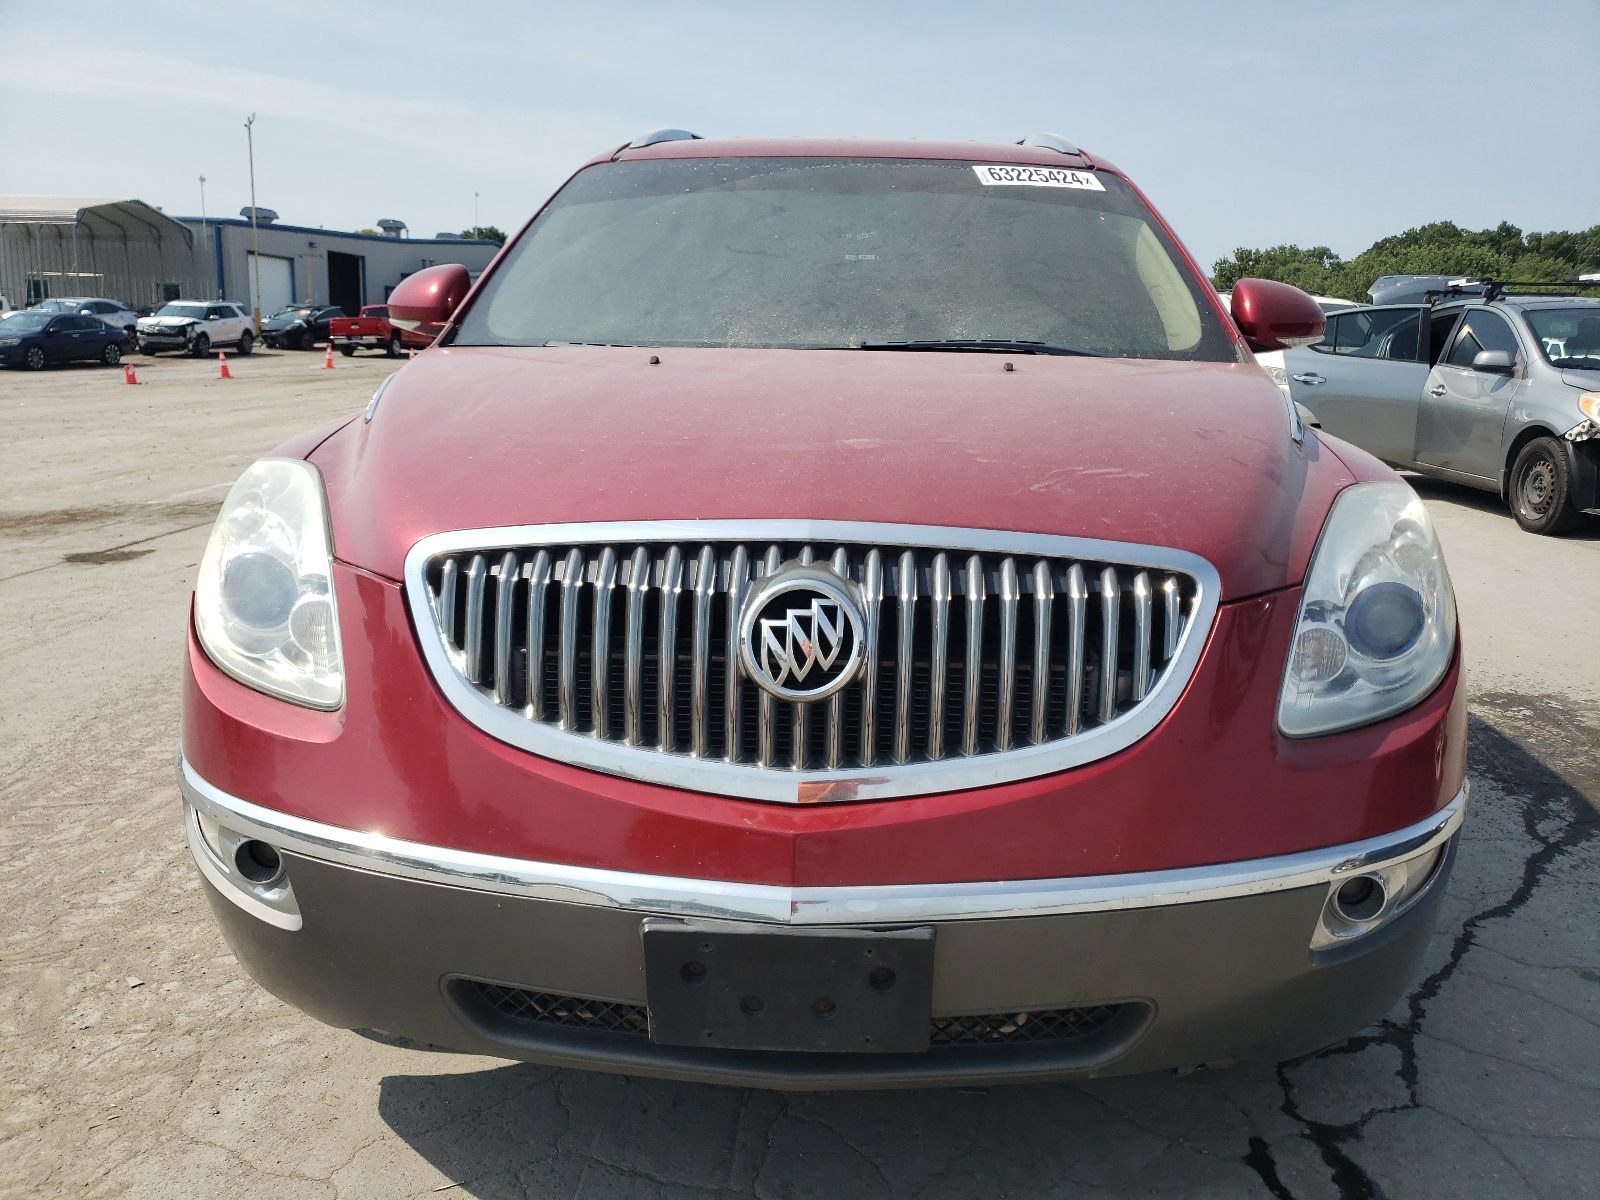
[
  {"x": 372, "y": 330},
  {"x": 299, "y": 326},
  {"x": 1499, "y": 392},
  {"x": 197, "y": 327},
  {"x": 34, "y": 339},
  {"x": 112, "y": 312},
  {"x": 824, "y": 614}
]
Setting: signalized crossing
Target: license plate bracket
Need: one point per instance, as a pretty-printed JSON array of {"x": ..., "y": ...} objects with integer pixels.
[{"x": 731, "y": 986}]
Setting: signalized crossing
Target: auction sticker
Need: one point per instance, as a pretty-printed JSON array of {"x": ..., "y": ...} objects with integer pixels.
[{"x": 1057, "y": 177}]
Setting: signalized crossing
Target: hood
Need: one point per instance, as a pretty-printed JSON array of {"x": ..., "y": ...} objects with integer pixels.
[
  {"x": 276, "y": 324},
  {"x": 1189, "y": 455},
  {"x": 167, "y": 322}
]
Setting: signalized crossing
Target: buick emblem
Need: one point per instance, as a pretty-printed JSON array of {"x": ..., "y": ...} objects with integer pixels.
[{"x": 800, "y": 633}]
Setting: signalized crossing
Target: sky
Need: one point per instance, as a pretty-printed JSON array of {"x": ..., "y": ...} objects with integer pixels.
[{"x": 1247, "y": 124}]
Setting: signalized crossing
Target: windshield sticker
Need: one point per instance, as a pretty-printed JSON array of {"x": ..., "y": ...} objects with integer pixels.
[{"x": 1057, "y": 177}]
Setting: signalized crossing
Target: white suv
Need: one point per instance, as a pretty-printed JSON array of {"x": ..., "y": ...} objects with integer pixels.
[{"x": 197, "y": 327}]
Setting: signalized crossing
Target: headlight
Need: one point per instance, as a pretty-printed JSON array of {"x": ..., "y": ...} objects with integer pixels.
[
  {"x": 264, "y": 604},
  {"x": 1377, "y": 622},
  {"x": 10, "y": 341}
]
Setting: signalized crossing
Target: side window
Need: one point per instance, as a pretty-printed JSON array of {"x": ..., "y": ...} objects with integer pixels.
[
  {"x": 218, "y": 313},
  {"x": 1439, "y": 334},
  {"x": 102, "y": 307},
  {"x": 1330, "y": 336},
  {"x": 1481, "y": 331},
  {"x": 381, "y": 310},
  {"x": 1399, "y": 342},
  {"x": 1355, "y": 331}
]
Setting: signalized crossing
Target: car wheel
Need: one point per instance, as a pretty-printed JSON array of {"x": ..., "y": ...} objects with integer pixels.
[
  {"x": 201, "y": 346},
  {"x": 34, "y": 359},
  {"x": 393, "y": 349},
  {"x": 307, "y": 342},
  {"x": 347, "y": 351},
  {"x": 247, "y": 343},
  {"x": 1541, "y": 488},
  {"x": 111, "y": 355}
]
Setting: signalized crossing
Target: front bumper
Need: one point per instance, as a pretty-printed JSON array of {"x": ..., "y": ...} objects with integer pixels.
[{"x": 1179, "y": 967}]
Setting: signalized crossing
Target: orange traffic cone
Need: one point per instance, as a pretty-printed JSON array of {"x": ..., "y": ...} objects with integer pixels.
[
  {"x": 127, "y": 374},
  {"x": 222, "y": 365},
  {"x": 327, "y": 359}
]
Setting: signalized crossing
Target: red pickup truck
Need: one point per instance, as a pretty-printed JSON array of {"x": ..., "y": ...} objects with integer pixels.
[{"x": 372, "y": 329}]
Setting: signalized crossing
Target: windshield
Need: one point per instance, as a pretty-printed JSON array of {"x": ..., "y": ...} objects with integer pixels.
[
  {"x": 838, "y": 252},
  {"x": 26, "y": 322},
  {"x": 182, "y": 310},
  {"x": 1569, "y": 337},
  {"x": 290, "y": 312},
  {"x": 53, "y": 306}
]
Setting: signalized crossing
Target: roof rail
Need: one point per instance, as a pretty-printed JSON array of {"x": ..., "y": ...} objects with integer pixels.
[
  {"x": 1493, "y": 289},
  {"x": 662, "y": 135},
  {"x": 1049, "y": 141}
]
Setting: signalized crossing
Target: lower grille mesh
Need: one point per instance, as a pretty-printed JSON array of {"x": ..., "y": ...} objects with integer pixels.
[
  {"x": 985, "y": 1029},
  {"x": 1042, "y": 1025}
]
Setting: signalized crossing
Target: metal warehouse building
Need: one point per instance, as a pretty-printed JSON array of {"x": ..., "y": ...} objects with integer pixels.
[
  {"x": 94, "y": 246},
  {"x": 302, "y": 264}
]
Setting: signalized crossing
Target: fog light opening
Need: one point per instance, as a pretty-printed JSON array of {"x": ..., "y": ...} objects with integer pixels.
[
  {"x": 257, "y": 862},
  {"x": 1360, "y": 899}
]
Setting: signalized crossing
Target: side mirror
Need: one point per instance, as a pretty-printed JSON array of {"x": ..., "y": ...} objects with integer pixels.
[
  {"x": 1275, "y": 316},
  {"x": 1493, "y": 362},
  {"x": 425, "y": 302}
]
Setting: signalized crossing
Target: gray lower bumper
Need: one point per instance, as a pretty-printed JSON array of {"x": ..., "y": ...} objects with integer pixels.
[{"x": 1202, "y": 981}]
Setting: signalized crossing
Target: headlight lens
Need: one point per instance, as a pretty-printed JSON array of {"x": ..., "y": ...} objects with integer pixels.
[
  {"x": 1377, "y": 621},
  {"x": 264, "y": 604}
]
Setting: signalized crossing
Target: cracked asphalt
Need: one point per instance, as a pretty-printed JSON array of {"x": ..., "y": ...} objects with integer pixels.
[{"x": 136, "y": 1059}]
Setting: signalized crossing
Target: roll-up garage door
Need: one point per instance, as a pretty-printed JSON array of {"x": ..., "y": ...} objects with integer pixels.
[{"x": 277, "y": 287}]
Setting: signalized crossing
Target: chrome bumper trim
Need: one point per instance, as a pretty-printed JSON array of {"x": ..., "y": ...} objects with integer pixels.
[{"x": 876, "y": 904}]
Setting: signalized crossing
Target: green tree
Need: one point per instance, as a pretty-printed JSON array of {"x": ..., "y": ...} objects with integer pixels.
[
  {"x": 484, "y": 233},
  {"x": 1441, "y": 248}
]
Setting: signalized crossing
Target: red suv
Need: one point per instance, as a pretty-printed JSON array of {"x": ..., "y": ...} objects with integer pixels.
[{"x": 830, "y": 614}]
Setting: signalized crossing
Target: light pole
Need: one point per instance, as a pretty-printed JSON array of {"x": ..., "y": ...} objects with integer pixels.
[
  {"x": 203, "y": 231},
  {"x": 255, "y": 233},
  {"x": 474, "y": 214}
]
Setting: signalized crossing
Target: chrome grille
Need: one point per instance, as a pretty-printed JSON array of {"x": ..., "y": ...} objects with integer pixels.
[{"x": 987, "y": 656}]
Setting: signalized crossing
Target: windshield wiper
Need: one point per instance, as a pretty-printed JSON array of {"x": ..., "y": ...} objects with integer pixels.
[{"x": 979, "y": 346}]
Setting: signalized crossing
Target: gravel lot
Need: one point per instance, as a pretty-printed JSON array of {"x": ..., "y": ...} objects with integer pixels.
[{"x": 139, "y": 1060}]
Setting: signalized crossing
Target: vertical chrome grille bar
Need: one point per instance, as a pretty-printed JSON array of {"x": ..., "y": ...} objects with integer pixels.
[
  {"x": 939, "y": 658},
  {"x": 705, "y": 587},
  {"x": 605, "y": 582},
  {"x": 1174, "y": 613},
  {"x": 1010, "y": 593},
  {"x": 1141, "y": 636},
  {"x": 1110, "y": 612},
  {"x": 1077, "y": 614},
  {"x": 448, "y": 577},
  {"x": 767, "y": 707},
  {"x": 505, "y": 594},
  {"x": 633, "y": 668},
  {"x": 1044, "y": 602},
  {"x": 738, "y": 571},
  {"x": 477, "y": 576},
  {"x": 667, "y": 649},
  {"x": 871, "y": 612},
  {"x": 800, "y": 733},
  {"x": 833, "y": 744},
  {"x": 977, "y": 593},
  {"x": 567, "y": 664},
  {"x": 538, "y": 583},
  {"x": 905, "y": 590}
]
